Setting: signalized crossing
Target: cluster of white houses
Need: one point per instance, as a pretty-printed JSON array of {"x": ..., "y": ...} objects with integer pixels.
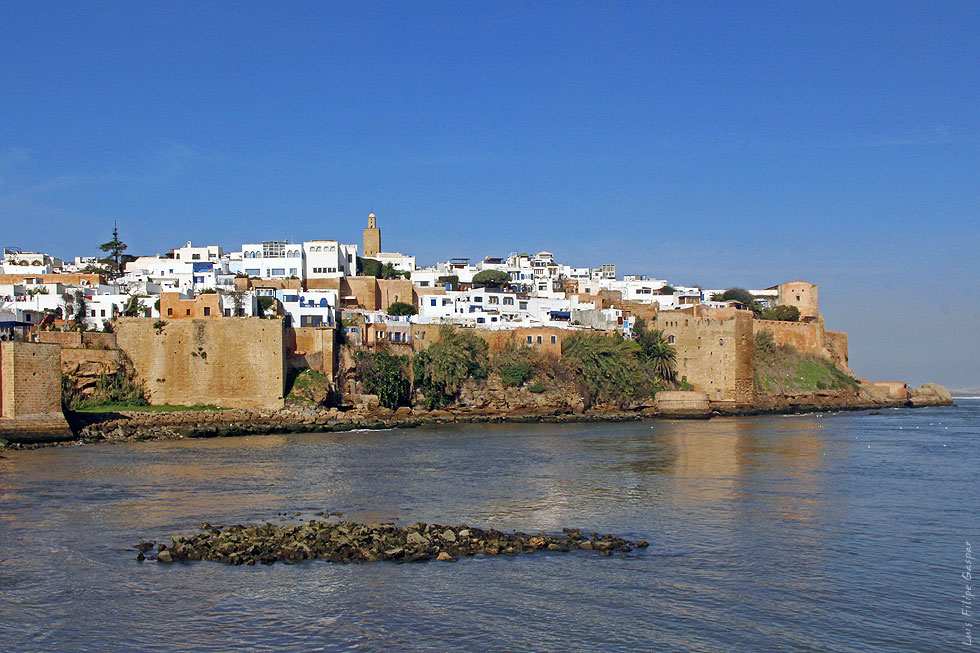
[{"x": 309, "y": 282}]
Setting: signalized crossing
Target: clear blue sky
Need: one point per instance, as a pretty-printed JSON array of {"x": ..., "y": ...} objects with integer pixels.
[{"x": 742, "y": 143}]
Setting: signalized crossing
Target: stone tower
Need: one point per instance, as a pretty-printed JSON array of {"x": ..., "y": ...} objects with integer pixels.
[{"x": 372, "y": 238}]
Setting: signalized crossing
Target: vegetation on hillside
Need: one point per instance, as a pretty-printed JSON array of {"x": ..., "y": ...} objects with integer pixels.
[
  {"x": 386, "y": 376},
  {"x": 441, "y": 370},
  {"x": 119, "y": 388},
  {"x": 783, "y": 369},
  {"x": 609, "y": 367}
]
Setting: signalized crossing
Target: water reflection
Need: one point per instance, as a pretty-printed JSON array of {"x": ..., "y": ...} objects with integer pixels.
[{"x": 758, "y": 527}]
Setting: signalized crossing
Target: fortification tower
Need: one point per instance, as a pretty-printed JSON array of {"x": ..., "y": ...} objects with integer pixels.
[
  {"x": 802, "y": 295},
  {"x": 372, "y": 238}
]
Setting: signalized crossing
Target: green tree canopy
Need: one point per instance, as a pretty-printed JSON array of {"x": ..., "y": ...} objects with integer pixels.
[
  {"x": 781, "y": 313},
  {"x": 401, "y": 308},
  {"x": 491, "y": 278}
]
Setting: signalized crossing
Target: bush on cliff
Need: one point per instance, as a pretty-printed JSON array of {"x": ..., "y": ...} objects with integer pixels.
[
  {"x": 515, "y": 364},
  {"x": 441, "y": 370},
  {"x": 385, "y": 375},
  {"x": 609, "y": 366}
]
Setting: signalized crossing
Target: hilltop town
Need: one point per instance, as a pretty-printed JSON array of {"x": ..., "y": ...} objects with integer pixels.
[{"x": 338, "y": 333}]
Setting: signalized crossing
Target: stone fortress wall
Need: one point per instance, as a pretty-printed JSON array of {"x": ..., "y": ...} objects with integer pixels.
[{"x": 233, "y": 362}]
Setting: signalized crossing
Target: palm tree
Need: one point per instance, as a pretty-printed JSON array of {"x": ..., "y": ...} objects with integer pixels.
[{"x": 657, "y": 351}]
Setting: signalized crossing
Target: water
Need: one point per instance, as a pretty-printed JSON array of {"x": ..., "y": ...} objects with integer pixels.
[{"x": 836, "y": 532}]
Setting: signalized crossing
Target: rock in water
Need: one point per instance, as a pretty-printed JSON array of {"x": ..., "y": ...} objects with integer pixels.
[{"x": 348, "y": 542}]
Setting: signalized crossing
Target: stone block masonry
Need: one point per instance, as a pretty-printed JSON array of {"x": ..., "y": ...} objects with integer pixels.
[
  {"x": 30, "y": 392},
  {"x": 227, "y": 362}
]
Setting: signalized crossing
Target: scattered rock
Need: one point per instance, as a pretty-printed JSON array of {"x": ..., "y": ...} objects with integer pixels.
[{"x": 445, "y": 557}]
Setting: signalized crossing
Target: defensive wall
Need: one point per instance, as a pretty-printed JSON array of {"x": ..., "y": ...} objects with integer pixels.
[
  {"x": 30, "y": 392},
  {"x": 808, "y": 338},
  {"x": 312, "y": 348},
  {"x": 230, "y": 362},
  {"x": 714, "y": 351}
]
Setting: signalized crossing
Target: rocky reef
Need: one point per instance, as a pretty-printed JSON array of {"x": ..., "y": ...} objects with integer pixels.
[{"x": 351, "y": 542}]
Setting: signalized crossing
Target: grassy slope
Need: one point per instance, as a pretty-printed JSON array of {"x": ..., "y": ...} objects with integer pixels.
[{"x": 784, "y": 369}]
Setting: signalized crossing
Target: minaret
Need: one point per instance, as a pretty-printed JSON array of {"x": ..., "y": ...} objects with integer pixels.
[{"x": 372, "y": 238}]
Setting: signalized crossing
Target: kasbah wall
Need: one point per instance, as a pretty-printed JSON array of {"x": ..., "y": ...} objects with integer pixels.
[
  {"x": 312, "y": 348},
  {"x": 230, "y": 362},
  {"x": 30, "y": 392},
  {"x": 30, "y": 378},
  {"x": 714, "y": 351}
]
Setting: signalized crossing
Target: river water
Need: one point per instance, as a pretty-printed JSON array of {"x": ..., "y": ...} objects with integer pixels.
[{"x": 842, "y": 532}]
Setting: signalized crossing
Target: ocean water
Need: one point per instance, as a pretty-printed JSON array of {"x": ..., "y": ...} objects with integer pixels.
[{"x": 832, "y": 532}]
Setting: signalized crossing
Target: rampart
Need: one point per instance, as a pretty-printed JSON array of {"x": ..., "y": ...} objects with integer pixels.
[
  {"x": 30, "y": 392},
  {"x": 230, "y": 362},
  {"x": 312, "y": 348},
  {"x": 808, "y": 338},
  {"x": 714, "y": 351}
]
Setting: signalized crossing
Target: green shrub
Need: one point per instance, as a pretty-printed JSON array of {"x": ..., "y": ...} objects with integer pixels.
[
  {"x": 440, "y": 371},
  {"x": 536, "y": 387},
  {"x": 515, "y": 364},
  {"x": 386, "y": 375},
  {"x": 781, "y": 313}
]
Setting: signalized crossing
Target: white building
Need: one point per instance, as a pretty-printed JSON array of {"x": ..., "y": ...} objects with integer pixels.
[
  {"x": 309, "y": 308},
  {"x": 328, "y": 259}
]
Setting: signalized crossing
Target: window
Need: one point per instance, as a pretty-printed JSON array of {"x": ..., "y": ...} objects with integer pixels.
[
  {"x": 522, "y": 306},
  {"x": 479, "y": 300},
  {"x": 432, "y": 302},
  {"x": 102, "y": 313},
  {"x": 493, "y": 300},
  {"x": 670, "y": 340},
  {"x": 196, "y": 257},
  {"x": 227, "y": 312},
  {"x": 508, "y": 301},
  {"x": 170, "y": 311},
  {"x": 539, "y": 340},
  {"x": 424, "y": 284},
  {"x": 188, "y": 311},
  {"x": 292, "y": 271},
  {"x": 480, "y": 320},
  {"x": 278, "y": 272},
  {"x": 554, "y": 340},
  {"x": 252, "y": 272},
  {"x": 207, "y": 311},
  {"x": 529, "y": 341},
  {"x": 93, "y": 312}
]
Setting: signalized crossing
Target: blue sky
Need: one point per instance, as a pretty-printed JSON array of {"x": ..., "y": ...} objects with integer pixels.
[{"x": 708, "y": 143}]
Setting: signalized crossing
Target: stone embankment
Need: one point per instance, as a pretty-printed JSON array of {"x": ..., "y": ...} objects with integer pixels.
[{"x": 348, "y": 542}]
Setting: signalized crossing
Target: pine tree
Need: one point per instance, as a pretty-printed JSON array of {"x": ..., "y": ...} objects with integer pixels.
[{"x": 114, "y": 248}]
